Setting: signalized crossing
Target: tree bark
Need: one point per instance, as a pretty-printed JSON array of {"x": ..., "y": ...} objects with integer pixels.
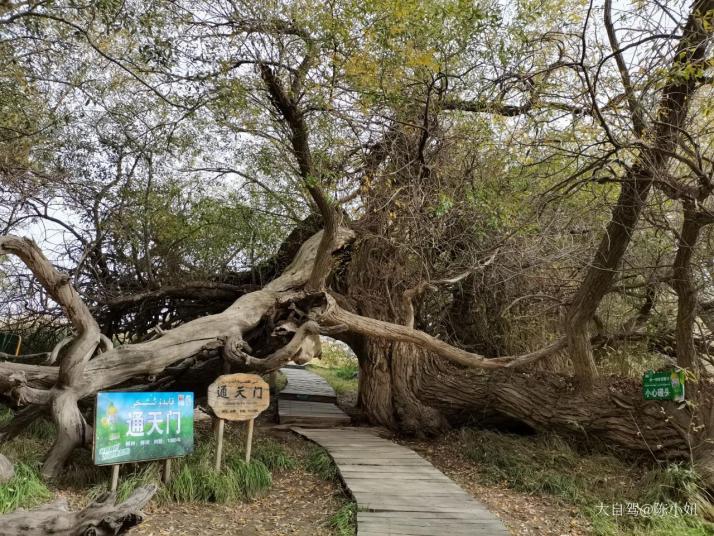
[
  {"x": 683, "y": 285},
  {"x": 613, "y": 412},
  {"x": 65, "y": 392},
  {"x": 375, "y": 382}
]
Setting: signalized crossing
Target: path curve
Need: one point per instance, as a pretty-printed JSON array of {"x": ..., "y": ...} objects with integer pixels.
[{"x": 397, "y": 491}]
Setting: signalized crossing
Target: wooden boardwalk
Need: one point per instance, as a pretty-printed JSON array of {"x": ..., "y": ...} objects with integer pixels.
[
  {"x": 308, "y": 400},
  {"x": 400, "y": 493}
]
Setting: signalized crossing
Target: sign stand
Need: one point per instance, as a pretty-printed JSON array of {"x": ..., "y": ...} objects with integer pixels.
[
  {"x": 219, "y": 443},
  {"x": 237, "y": 397},
  {"x": 115, "y": 477},
  {"x": 166, "y": 476},
  {"x": 249, "y": 441}
]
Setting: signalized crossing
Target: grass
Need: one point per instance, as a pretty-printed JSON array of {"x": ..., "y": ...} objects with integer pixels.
[
  {"x": 252, "y": 478},
  {"x": 337, "y": 378},
  {"x": 318, "y": 461},
  {"x": 25, "y": 490},
  {"x": 194, "y": 478},
  {"x": 338, "y": 367},
  {"x": 591, "y": 481},
  {"x": 281, "y": 380},
  {"x": 344, "y": 521},
  {"x": 273, "y": 455},
  {"x": 30, "y": 446}
]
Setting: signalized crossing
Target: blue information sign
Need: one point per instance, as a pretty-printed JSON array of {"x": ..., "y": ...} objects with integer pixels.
[{"x": 134, "y": 426}]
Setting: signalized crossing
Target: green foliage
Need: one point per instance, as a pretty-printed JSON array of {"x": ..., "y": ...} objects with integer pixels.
[
  {"x": 650, "y": 526},
  {"x": 35, "y": 340},
  {"x": 319, "y": 462},
  {"x": 143, "y": 475},
  {"x": 251, "y": 478},
  {"x": 81, "y": 473},
  {"x": 194, "y": 478},
  {"x": 25, "y": 490},
  {"x": 344, "y": 521},
  {"x": 31, "y": 445},
  {"x": 338, "y": 366},
  {"x": 336, "y": 355},
  {"x": 198, "y": 482},
  {"x": 42, "y": 429},
  {"x": 544, "y": 464},
  {"x": 342, "y": 380},
  {"x": 674, "y": 483},
  {"x": 280, "y": 381},
  {"x": 631, "y": 360},
  {"x": 273, "y": 455}
]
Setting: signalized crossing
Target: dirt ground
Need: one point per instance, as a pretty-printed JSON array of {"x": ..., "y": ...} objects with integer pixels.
[
  {"x": 523, "y": 514},
  {"x": 298, "y": 504}
]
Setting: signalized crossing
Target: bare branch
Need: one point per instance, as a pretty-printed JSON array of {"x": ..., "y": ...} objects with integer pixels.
[{"x": 336, "y": 315}]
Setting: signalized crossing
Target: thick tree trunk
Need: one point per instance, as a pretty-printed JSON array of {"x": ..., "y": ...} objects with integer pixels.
[
  {"x": 65, "y": 393},
  {"x": 410, "y": 365},
  {"x": 683, "y": 284},
  {"x": 613, "y": 412},
  {"x": 389, "y": 380},
  {"x": 72, "y": 430},
  {"x": 375, "y": 382},
  {"x": 600, "y": 275}
]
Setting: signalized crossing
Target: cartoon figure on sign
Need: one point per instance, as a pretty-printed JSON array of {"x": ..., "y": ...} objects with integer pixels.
[
  {"x": 675, "y": 380},
  {"x": 677, "y": 386},
  {"x": 110, "y": 421}
]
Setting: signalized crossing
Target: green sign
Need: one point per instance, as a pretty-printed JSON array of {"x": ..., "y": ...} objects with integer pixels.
[
  {"x": 667, "y": 385},
  {"x": 132, "y": 426}
]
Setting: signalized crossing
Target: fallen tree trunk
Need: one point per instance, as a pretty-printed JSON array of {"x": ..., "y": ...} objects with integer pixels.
[
  {"x": 79, "y": 377},
  {"x": 101, "y": 518},
  {"x": 613, "y": 413}
]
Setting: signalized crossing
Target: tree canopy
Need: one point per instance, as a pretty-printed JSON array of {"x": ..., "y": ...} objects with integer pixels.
[{"x": 494, "y": 185}]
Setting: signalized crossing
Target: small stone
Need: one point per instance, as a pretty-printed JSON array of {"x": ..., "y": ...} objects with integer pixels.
[{"x": 7, "y": 471}]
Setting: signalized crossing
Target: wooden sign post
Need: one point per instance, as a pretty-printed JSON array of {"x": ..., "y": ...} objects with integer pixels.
[
  {"x": 237, "y": 397},
  {"x": 115, "y": 477}
]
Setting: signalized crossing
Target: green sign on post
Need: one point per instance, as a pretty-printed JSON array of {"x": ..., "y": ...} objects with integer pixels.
[
  {"x": 135, "y": 426},
  {"x": 667, "y": 385}
]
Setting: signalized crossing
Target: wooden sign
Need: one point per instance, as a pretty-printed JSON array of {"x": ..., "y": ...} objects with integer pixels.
[{"x": 238, "y": 397}]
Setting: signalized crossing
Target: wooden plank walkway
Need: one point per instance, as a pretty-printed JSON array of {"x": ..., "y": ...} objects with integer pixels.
[
  {"x": 308, "y": 400},
  {"x": 400, "y": 493},
  {"x": 305, "y": 385}
]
